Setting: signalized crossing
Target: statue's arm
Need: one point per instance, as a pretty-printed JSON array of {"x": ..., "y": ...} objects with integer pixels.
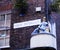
[{"x": 36, "y": 31}]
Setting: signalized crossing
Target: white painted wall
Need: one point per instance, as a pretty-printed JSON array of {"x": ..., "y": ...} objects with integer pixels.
[
  {"x": 43, "y": 41},
  {"x": 5, "y": 12}
]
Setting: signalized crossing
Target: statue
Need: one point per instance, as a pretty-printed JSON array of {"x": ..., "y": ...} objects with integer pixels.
[{"x": 42, "y": 28}]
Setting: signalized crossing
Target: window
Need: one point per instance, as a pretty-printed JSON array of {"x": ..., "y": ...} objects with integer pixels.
[
  {"x": 7, "y": 16},
  {"x": 5, "y": 21},
  {"x": 4, "y": 38},
  {"x": 2, "y": 17}
]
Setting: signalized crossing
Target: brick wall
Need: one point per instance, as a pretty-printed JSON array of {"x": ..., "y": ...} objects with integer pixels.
[
  {"x": 20, "y": 38},
  {"x": 5, "y": 5}
]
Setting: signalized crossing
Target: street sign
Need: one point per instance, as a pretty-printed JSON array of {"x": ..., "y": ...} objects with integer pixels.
[{"x": 27, "y": 23}]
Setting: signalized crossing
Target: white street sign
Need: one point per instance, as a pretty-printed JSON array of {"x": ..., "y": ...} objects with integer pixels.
[{"x": 27, "y": 23}]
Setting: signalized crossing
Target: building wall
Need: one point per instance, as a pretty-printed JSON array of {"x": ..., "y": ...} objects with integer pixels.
[
  {"x": 56, "y": 17},
  {"x": 20, "y": 38},
  {"x": 5, "y": 5}
]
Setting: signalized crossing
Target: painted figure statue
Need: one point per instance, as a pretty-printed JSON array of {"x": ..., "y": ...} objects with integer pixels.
[{"x": 42, "y": 28}]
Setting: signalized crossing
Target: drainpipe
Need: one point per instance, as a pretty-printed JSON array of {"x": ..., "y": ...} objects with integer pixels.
[{"x": 47, "y": 10}]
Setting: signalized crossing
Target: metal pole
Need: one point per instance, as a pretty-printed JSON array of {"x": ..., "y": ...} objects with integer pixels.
[{"x": 46, "y": 9}]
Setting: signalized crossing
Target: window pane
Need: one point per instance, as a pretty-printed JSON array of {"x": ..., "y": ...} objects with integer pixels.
[
  {"x": 8, "y": 17},
  {"x": 4, "y": 33},
  {"x": 4, "y": 38},
  {"x": 2, "y": 17}
]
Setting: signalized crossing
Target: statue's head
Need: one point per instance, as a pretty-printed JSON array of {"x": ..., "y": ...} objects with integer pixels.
[{"x": 44, "y": 19}]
